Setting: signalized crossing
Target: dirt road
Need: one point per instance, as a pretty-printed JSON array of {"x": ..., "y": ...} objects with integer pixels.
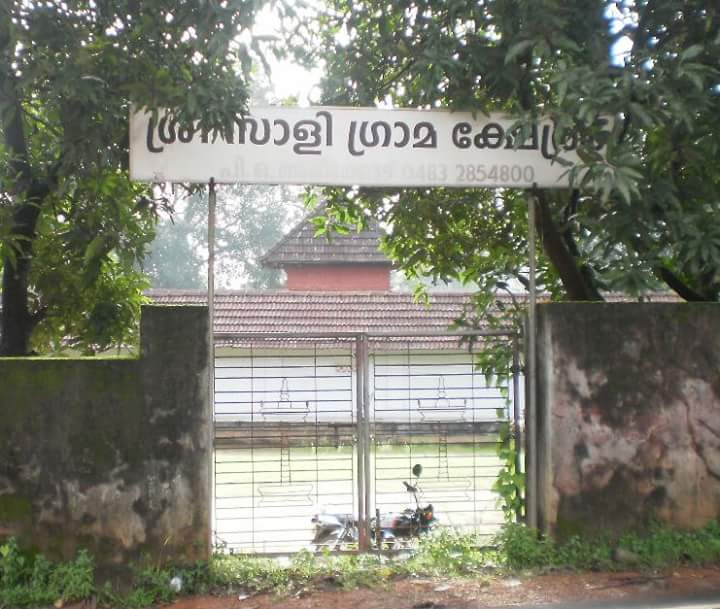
[{"x": 487, "y": 592}]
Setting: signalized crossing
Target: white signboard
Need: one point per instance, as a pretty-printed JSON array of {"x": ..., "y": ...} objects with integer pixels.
[{"x": 350, "y": 146}]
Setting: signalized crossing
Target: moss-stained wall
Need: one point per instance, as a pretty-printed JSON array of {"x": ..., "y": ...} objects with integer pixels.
[
  {"x": 111, "y": 455},
  {"x": 629, "y": 416}
]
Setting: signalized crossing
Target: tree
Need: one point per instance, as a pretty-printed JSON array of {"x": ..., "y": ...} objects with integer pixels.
[
  {"x": 249, "y": 220},
  {"x": 72, "y": 225},
  {"x": 641, "y": 215},
  {"x": 173, "y": 260}
]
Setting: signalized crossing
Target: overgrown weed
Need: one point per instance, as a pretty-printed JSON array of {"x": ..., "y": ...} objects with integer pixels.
[
  {"x": 659, "y": 546},
  {"x": 450, "y": 554},
  {"x": 28, "y": 580}
]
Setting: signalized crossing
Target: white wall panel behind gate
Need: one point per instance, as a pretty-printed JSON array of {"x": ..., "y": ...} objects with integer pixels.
[{"x": 286, "y": 439}]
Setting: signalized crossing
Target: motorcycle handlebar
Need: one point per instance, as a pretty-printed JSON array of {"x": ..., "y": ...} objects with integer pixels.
[{"x": 410, "y": 488}]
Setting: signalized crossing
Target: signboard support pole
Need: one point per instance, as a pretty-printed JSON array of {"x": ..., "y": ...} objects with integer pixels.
[
  {"x": 211, "y": 344},
  {"x": 531, "y": 414}
]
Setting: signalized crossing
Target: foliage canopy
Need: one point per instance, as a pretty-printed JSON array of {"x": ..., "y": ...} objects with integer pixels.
[
  {"x": 639, "y": 217},
  {"x": 250, "y": 219},
  {"x": 72, "y": 226}
]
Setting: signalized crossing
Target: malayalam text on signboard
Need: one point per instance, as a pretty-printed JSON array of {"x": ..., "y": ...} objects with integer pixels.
[{"x": 351, "y": 146}]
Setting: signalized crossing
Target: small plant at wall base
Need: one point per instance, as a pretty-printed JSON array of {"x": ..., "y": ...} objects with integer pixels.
[
  {"x": 510, "y": 483},
  {"x": 152, "y": 585},
  {"x": 522, "y": 548},
  {"x": 30, "y": 580}
]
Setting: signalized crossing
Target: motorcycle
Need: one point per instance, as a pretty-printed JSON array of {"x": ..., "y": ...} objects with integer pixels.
[
  {"x": 398, "y": 528},
  {"x": 388, "y": 530}
]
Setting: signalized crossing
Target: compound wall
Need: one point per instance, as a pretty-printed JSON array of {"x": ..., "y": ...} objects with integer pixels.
[
  {"x": 629, "y": 416},
  {"x": 111, "y": 454}
]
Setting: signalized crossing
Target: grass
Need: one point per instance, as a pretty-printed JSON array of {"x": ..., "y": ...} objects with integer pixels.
[
  {"x": 658, "y": 547},
  {"x": 28, "y": 580}
]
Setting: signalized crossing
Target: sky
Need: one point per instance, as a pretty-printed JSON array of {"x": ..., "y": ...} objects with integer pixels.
[
  {"x": 288, "y": 79},
  {"x": 291, "y": 80}
]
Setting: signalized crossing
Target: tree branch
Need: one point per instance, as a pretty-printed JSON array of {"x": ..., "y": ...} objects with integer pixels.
[
  {"x": 570, "y": 210},
  {"x": 578, "y": 285},
  {"x": 680, "y": 287},
  {"x": 14, "y": 132},
  {"x": 640, "y": 36}
]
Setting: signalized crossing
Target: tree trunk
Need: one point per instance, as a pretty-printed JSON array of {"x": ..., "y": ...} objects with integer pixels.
[
  {"x": 28, "y": 194},
  {"x": 16, "y": 322},
  {"x": 577, "y": 283}
]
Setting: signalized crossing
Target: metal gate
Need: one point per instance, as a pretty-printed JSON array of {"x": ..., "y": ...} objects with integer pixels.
[{"x": 306, "y": 424}]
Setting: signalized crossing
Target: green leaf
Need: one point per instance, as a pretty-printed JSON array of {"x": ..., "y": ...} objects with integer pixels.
[
  {"x": 622, "y": 184},
  {"x": 517, "y": 49},
  {"x": 692, "y": 52},
  {"x": 639, "y": 113},
  {"x": 95, "y": 248}
]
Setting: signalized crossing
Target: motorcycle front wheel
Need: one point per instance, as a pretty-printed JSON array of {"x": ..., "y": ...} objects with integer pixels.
[{"x": 338, "y": 540}]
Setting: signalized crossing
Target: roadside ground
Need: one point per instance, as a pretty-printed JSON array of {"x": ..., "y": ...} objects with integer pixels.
[{"x": 682, "y": 584}]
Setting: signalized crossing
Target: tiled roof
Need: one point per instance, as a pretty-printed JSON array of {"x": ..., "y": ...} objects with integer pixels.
[
  {"x": 322, "y": 312},
  {"x": 283, "y": 311},
  {"x": 301, "y": 246}
]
